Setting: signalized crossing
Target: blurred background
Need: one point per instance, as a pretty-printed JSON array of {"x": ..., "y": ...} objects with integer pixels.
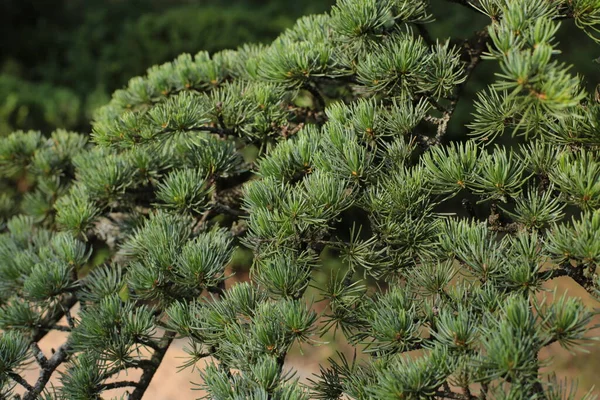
[{"x": 61, "y": 59}]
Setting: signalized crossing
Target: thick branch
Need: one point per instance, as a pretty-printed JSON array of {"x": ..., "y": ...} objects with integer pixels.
[
  {"x": 576, "y": 273},
  {"x": 150, "y": 368}
]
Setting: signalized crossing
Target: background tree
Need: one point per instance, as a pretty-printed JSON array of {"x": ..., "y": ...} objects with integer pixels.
[
  {"x": 334, "y": 138},
  {"x": 61, "y": 60}
]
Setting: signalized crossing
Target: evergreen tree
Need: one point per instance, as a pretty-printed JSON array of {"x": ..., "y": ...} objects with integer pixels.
[{"x": 331, "y": 139}]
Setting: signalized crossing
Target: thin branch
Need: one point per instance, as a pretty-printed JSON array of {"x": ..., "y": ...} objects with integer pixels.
[
  {"x": 218, "y": 290},
  {"x": 47, "y": 370},
  {"x": 39, "y": 355},
  {"x": 117, "y": 385},
  {"x": 19, "y": 379},
  {"x": 222, "y": 132},
  {"x": 53, "y": 317},
  {"x": 61, "y": 328},
  {"x": 448, "y": 394},
  {"x": 149, "y": 343},
  {"x": 114, "y": 371},
  {"x": 484, "y": 391},
  {"x": 69, "y": 317},
  {"x": 225, "y": 209},
  {"x": 473, "y": 49}
]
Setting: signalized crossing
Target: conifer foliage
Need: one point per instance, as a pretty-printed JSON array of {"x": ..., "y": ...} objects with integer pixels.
[{"x": 331, "y": 139}]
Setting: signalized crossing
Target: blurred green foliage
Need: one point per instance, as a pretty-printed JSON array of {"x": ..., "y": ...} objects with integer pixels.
[{"x": 61, "y": 59}]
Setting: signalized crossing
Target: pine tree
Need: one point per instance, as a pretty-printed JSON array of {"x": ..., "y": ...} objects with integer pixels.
[{"x": 333, "y": 139}]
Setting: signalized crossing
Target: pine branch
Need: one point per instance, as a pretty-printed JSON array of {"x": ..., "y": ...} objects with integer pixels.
[
  {"x": 51, "y": 319},
  {"x": 117, "y": 385},
  {"x": 48, "y": 369},
  {"x": 225, "y": 209},
  {"x": 61, "y": 328},
  {"x": 20, "y": 380},
  {"x": 221, "y": 132},
  {"x": 149, "y": 343},
  {"x": 151, "y": 367},
  {"x": 484, "y": 391},
  {"x": 38, "y": 354},
  {"x": 449, "y": 394},
  {"x": 577, "y": 273}
]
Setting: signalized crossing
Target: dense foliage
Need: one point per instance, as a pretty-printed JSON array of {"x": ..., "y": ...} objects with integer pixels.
[{"x": 334, "y": 138}]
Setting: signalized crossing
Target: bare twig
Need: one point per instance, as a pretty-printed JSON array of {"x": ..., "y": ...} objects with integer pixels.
[
  {"x": 45, "y": 325},
  {"x": 117, "y": 385},
  {"x": 39, "y": 355},
  {"x": 61, "y": 328},
  {"x": 19, "y": 379},
  {"x": 48, "y": 368}
]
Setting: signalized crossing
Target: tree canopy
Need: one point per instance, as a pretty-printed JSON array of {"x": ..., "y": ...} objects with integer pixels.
[{"x": 332, "y": 139}]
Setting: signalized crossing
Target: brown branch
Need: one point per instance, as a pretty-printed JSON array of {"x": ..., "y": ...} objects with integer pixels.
[
  {"x": 117, "y": 385},
  {"x": 218, "y": 290},
  {"x": 150, "y": 368},
  {"x": 222, "y": 132},
  {"x": 225, "y": 209},
  {"x": 39, "y": 355},
  {"x": 577, "y": 273},
  {"x": 45, "y": 325},
  {"x": 448, "y": 394},
  {"x": 149, "y": 343},
  {"x": 484, "y": 391},
  {"x": 61, "y": 328},
  {"x": 48, "y": 369},
  {"x": 19, "y": 379},
  {"x": 474, "y": 49}
]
